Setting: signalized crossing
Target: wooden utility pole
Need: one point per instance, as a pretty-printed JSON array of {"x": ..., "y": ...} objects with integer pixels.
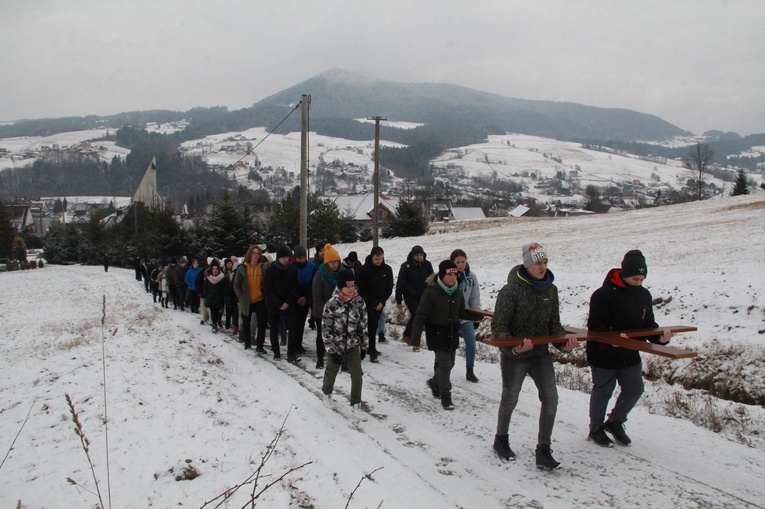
[
  {"x": 306, "y": 105},
  {"x": 376, "y": 180}
]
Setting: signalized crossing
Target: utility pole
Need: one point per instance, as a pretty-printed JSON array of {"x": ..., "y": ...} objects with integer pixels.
[
  {"x": 376, "y": 180},
  {"x": 305, "y": 104}
]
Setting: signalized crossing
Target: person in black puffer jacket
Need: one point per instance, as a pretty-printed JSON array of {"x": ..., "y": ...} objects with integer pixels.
[
  {"x": 375, "y": 283},
  {"x": 622, "y": 303},
  {"x": 215, "y": 286},
  {"x": 410, "y": 284}
]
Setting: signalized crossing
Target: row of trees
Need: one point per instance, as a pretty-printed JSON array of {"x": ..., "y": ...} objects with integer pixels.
[{"x": 227, "y": 227}]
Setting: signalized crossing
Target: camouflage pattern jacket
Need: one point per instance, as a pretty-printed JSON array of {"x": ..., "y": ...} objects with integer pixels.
[
  {"x": 526, "y": 308},
  {"x": 344, "y": 324}
]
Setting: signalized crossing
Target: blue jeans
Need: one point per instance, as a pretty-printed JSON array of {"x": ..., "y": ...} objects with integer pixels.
[
  {"x": 514, "y": 371},
  {"x": 603, "y": 385},
  {"x": 467, "y": 331}
]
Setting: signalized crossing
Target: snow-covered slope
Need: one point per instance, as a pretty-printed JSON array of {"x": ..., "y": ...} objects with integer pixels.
[{"x": 180, "y": 396}]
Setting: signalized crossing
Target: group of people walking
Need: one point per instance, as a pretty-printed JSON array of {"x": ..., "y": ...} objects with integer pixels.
[{"x": 344, "y": 300}]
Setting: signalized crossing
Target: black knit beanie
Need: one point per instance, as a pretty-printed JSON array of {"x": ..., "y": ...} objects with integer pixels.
[{"x": 634, "y": 264}]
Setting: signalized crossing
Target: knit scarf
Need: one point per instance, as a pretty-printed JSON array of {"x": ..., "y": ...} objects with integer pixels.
[
  {"x": 448, "y": 289},
  {"x": 540, "y": 285},
  {"x": 346, "y": 298},
  {"x": 215, "y": 279},
  {"x": 332, "y": 278}
]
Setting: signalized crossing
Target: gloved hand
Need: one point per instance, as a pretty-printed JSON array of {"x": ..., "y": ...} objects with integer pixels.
[
  {"x": 476, "y": 325},
  {"x": 336, "y": 358},
  {"x": 363, "y": 353}
]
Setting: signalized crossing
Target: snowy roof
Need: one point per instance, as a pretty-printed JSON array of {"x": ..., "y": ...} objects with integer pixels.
[
  {"x": 360, "y": 206},
  {"x": 519, "y": 211},
  {"x": 467, "y": 213}
]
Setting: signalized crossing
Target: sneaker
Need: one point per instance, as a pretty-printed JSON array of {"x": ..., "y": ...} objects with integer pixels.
[
  {"x": 433, "y": 388},
  {"x": 470, "y": 376},
  {"x": 616, "y": 428},
  {"x": 598, "y": 435},
  {"x": 502, "y": 448},
  {"x": 446, "y": 401},
  {"x": 545, "y": 461},
  {"x": 260, "y": 350},
  {"x": 294, "y": 360},
  {"x": 373, "y": 358}
]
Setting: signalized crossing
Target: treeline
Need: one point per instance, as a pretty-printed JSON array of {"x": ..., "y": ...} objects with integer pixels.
[{"x": 227, "y": 227}]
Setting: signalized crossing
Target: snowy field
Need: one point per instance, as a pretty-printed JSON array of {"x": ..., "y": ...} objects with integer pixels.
[
  {"x": 180, "y": 397},
  {"x": 18, "y": 145},
  {"x": 280, "y": 150},
  {"x": 517, "y": 153}
]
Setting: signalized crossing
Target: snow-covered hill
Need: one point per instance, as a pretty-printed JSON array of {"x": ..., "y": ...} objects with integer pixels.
[{"x": 183, "y": 399}]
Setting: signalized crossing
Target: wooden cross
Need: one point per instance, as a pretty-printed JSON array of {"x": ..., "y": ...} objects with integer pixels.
[{"x": 611, "y": 337}]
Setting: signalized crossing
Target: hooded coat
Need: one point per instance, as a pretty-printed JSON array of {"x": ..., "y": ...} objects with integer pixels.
[
  {"x": 618, "y": 306},
  {"x": 412, "y": 277},
  {"x": 439, "y": 317}
]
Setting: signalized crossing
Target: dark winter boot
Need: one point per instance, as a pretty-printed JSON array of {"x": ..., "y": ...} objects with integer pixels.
[
  {"x": 502, "y": 447},
  {"x": 471, "y": 376},
  {"x": 446, "y": 401},
  {"x": 320, "y": 362},
  {"x": 433, "y": 387},
  {"x": 616, "y": 428},
  {"x": 381, "y": 338},
  {"x": 545, "y": 461},
  {"x": 599, "y": 436}
]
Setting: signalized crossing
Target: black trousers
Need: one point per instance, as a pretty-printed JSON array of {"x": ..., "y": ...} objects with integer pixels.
[
  {"x": 245, "y": 334},
  {"x": 273, "y": 323},
  {"x": 374, "y": 321}
]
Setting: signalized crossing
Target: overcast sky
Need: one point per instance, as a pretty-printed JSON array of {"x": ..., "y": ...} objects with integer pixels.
[{"x": 695, "y": 63}]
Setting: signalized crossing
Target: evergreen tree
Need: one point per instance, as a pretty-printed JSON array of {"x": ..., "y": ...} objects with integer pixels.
[
  {"x": 410, "y": 219},
  {"x": 323, "y": 221},
  {"x": 6, "y": 232},
  {"x": 61, "y": 243},
  {"x": 742, "y": 184},
  {"x": 228, "y": 228},
  {"x": 348, "y": 231},
  {"x": 284, "y": 225}
]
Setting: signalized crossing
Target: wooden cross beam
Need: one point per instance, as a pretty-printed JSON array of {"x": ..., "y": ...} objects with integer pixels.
[{"x": 611, "y": 337}]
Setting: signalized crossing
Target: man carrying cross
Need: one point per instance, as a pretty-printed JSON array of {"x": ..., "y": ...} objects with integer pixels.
[
  {"x": 528, "y": 306},
  {"x": 622, "y": 303}
]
